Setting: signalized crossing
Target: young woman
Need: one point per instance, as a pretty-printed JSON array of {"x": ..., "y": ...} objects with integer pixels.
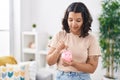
[{"x": 76, "y": 38}]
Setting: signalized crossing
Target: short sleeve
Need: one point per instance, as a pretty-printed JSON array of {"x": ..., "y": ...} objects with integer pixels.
[
  {"x": 56, "y": 38},
  {"x": 94, "y": 47}
]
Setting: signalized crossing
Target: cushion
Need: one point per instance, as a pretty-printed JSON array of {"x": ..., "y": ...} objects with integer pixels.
[
  {"x": 14, "y": 72},
  {"x": 7, "y": 59},
  {"x": 33, "y": 69}
]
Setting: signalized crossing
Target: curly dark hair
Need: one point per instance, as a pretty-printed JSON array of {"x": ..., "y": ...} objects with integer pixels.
[{"x": 78, "y": 7}]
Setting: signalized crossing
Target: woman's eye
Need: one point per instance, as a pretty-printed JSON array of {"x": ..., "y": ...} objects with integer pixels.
[
  {"x": 70, "y": 20},
  {"x": 78, "y": 20}
]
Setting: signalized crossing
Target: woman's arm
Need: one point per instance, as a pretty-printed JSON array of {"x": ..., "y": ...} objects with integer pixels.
[
  {"x": 53, "y": 56},
  {"x": 54, "y": 53},
  {"x": 89, "y": 67}
]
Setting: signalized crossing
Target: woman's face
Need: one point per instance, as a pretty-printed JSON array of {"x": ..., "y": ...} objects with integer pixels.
[{"x": 75, "y": 22}]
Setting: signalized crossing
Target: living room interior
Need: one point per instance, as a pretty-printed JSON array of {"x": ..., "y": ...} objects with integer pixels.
[{"x": 28, "y": 28}]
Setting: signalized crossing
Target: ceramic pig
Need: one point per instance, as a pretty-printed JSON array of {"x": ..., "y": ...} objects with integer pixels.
[{"x": 67, "y": 55}]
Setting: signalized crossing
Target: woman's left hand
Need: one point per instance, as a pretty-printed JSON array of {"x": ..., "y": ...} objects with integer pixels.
[{"x": 66, "y": 63}]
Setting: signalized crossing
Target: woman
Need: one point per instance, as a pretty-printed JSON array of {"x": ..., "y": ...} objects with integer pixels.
[{"x": 76, "y": 38}]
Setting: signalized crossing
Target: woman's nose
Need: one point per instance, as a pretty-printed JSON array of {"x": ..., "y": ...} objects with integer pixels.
[{"x": 74, "y": 22}]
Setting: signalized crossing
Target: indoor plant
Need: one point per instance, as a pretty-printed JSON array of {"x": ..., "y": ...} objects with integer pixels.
[
  {"x": 110, "y": 36},
  {"x": 34, "y": 27}
]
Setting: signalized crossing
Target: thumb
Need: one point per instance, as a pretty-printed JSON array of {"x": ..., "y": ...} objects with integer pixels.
[{"x": 66, "y": 47}]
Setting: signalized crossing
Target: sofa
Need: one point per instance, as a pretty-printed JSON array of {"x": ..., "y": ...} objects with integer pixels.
[{"x": 10, "y": 69}]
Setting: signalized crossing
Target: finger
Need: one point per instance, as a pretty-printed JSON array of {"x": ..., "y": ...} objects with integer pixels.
[
  {"x": 61, "y": 42},
  {"x": 66, "y": 47}
]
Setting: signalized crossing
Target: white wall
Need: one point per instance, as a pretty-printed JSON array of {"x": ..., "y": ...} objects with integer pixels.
[{"x": 26, "y": 15}]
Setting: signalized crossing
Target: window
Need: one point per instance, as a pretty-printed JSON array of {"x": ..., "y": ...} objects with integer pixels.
[{"x": 4, "y": 28}]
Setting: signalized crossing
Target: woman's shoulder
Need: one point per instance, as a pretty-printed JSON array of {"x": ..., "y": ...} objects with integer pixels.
[
  {"x": 92, "y": 36},
  {"x": 61, "y": 33}
]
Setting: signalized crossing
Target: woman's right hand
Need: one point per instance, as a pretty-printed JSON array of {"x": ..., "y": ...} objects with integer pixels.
[
  {"x": 54, "y": 53},
  {"x": 60, "y": 46}
]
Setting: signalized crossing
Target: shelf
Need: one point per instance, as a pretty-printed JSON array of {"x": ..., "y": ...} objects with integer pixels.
[
  {"x": 44, "y": 52},
  {"x": 33, "y": 47},
  {"x": 29, "y": 33},
  {"x": 29, "y": 51}
]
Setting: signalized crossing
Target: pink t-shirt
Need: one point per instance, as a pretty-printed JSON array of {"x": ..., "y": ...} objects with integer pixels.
[{"x": 80, "y": 47}]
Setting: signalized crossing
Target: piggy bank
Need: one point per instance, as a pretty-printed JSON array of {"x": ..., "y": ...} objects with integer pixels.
[{"x": 67, "y": 55}]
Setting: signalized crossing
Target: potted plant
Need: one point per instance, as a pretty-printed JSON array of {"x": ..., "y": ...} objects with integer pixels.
[
  {"x": 34, "y": 27},
  {"x": 110, "y": 36},
  {"x": 50, "y": 37},
  {"x": 49, "y": 40}
]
